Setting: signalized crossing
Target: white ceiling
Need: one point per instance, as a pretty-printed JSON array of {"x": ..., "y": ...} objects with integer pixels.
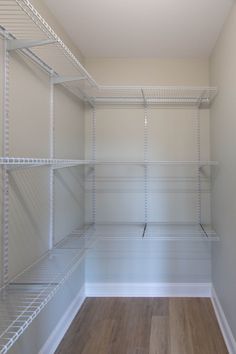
[{"x": 142, "y": 28}]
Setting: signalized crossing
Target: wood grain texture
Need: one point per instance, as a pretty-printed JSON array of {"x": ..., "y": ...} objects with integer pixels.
[{"x": 144, "y": 326}]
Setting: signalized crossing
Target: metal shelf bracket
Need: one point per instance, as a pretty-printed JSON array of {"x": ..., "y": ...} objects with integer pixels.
[
  {"x": 14, "y": 44},
  {"x": 63, "y": 79}
]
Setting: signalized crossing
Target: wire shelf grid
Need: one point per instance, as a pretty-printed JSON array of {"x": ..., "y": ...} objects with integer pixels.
[
  {"x": 154, "y": 232},
  {"x": 27, "y": 294},
  {"x": 57, "y": 163}
]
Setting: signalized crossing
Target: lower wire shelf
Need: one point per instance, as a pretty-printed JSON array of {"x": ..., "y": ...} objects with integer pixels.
[
  {"x": 151, "y": 231},
  {"x": 25, "y": 297}
]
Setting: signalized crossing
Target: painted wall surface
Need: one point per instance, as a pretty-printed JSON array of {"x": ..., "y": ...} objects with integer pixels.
[
  {"x": 172, "y": 135},
  {"x": 223, "y": 128},
  {"x": 108, "y": 71}
]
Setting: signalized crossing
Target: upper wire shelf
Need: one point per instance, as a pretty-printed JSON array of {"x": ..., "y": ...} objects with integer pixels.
[
  {"x": 21, "y": 21},
  {"x": 153, "y": 95}
]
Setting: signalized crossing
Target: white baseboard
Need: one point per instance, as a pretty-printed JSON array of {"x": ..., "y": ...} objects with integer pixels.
[
  {"x": 223, "y": 323},
  {"x": 148, "y": 290},
  {"x": 56, "y": 336}
]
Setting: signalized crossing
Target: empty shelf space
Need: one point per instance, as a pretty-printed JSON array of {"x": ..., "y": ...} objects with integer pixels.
[
  {"x": 180, "y": 232},
  {"x": 50, "y": 268},
  {"x": 18, "y": 307},
  {"x": 28, "y": 293},
  {"x": 80, "y": 239}
]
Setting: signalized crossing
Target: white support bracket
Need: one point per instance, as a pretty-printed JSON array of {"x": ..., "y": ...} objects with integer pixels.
[
  {"x": 63, "y": 79},
  {"x": 14, "y": 44},
  {"x": 144, "y": 98}
]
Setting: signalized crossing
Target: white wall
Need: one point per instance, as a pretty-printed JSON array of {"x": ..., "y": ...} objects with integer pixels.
[
  {"x": 172, "y": 135},
  {"x": 223, "y": 130}
]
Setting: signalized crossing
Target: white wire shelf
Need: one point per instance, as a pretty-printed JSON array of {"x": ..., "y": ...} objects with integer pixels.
[
  {"x": 82, "y": 239},
  {"x": 152, "y": 232},
  {"x": 161, "y": 163},
  {"x": 15, "y": 162},
  {"x": 21, "y": 21},
  {"x": 25, "y": 297},
  {"x": 153, "y": 95}
]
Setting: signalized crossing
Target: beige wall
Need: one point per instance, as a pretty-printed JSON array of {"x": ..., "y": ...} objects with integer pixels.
[
  {"x": 149, "y": 71},
  {"x": 223, "y": 139}
]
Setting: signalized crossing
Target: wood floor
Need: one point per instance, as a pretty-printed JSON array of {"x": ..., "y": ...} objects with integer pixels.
[{"x": 144, "y": 326}]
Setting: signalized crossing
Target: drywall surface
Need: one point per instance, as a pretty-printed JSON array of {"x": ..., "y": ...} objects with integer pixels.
[
  {"x": 223, "y": 128},
  {"x": 149, "y": 71}
]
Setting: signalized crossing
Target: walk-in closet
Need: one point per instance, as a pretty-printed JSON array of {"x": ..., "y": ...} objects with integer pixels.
[{"x": 117, "y": 177}]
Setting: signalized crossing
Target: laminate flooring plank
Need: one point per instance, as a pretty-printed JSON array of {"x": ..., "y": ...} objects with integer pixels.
[
  {"x": 197, "y": 327},
  {"x": 214, "y": 335},
  {"x": 133, "y": 328},
  {"x": 159, "y": 337},
  {"x": 180, "y": 337}
]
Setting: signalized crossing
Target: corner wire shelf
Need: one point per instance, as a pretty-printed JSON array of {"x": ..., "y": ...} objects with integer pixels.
[
  {"x": 29, "y": 292},
  {"x": 28, "y": 33}
]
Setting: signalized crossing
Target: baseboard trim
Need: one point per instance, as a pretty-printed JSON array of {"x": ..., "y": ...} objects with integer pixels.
[
  {"x": 58, "y": 333},
  {"x": 148, "y": 290},
  {"x": 223, "y": 323}
]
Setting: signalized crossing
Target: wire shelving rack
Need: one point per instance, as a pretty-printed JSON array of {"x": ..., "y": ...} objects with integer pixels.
[{"x": 24, "y": 30}]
